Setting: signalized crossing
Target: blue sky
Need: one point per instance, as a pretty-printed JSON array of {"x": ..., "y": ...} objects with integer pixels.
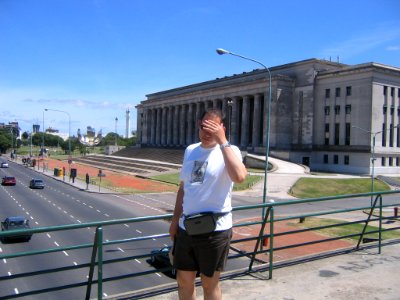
[{"x": 96, "y": 58}]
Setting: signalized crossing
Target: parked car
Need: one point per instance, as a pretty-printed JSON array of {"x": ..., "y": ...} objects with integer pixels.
[
  {"x": 9, "y": 180},
  {"x": 4, "y": 164},
  {"x": 36, "y": 184},
  {"x": 160, "y": 258},
  {"x": 15, "y": 223}
]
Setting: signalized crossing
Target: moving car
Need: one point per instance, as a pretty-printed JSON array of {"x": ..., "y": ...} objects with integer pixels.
[
  {"x": 161, "y": 258},
  {"x": 9, "y": 180},
  {"x": 36, "y": 184},
  {"x": 15, "y": 223},
  {"x": 4, "y": 164}
]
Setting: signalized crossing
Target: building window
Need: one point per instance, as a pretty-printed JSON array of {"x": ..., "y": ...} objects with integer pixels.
[
  {"x": 337, "y": 109},
  {"x": 383, "y": 134},
  {"x": 348, "y": 90},
  {"x": 346, "y": 160},
  {"x": 337, "y": 92},
  {"x": 383, "y": 161},
  {"x": 392, "y": 92},
  {"x": 348, "y": 109},
  {"x": 327, "y": 110},
  {"x": 326, "y": 159},
  {"x": 327, "y": 93},
  {"x": 391, "y": 135},
  {"x": 384, "y": 90},
  {"x": 398, "y": 137},
  {"x": 391, "y": 161},
  {"x": 391, "y": 110},
  {"x": 397, "y": 161},
  {"x": 335, "y": 159},
  {"x": 347, "y": 134},
  {"x": 384, "y": 109},
  {"x": 327, "y": 134},
  {"x": 337, "y": 133}
]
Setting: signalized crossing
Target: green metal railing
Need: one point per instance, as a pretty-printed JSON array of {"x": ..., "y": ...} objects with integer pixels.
[{"x": 98, "y": 245}]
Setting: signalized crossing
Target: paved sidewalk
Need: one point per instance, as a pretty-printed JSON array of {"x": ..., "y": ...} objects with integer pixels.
[{"x": 363, "y": 275}]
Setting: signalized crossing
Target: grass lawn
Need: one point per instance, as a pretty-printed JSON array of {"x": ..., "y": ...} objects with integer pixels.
[{"x": 322, "y": 187}]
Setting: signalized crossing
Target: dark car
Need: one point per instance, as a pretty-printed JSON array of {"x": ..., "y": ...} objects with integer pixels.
[
  {"x": 160, "y": 258},
  {"x": 36, "y": 184},
  {"x": 15, "y": 223},
  {"x": 9, "y": 180}
]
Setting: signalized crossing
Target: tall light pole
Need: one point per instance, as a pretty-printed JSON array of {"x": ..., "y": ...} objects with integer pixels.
[
  {"x": 223, "y": 51},
  {"x": 116, "y": 134},
  {"x": 69, "y": 126},
  {"x": 373, "y": 134}
]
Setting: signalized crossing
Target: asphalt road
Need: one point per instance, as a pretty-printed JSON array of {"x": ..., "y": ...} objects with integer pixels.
[{"x": 62, "y": 204}]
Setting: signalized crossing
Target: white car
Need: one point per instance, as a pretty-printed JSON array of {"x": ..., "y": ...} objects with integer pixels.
[{"x": 4, "y": 164}]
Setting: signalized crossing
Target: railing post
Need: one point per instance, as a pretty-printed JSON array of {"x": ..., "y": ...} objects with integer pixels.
[
  {"x": 92, "y": 265},
  {"x": 100, "y": 263},
  {"x": 260, "y": 236},
  {"x": 380, "y": 224},
  {"x": 271, "y": 242}
]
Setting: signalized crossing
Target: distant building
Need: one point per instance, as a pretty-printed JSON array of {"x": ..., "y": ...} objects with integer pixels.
[{"x": 324, "y": 114}]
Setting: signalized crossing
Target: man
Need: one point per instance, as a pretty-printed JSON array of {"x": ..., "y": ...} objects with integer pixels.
[{"x": 208, "y": 172}]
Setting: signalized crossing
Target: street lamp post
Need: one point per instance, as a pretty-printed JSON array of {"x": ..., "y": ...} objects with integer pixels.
[
  {"x": 69, "y": 126},
  {"x": 373, "y": 134},
  {"x": 223, "y": 51},
  {"x": 116, "y": 134}
]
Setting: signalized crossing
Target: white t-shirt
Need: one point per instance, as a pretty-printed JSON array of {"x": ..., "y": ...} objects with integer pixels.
[{"x": 207, "y": 185}]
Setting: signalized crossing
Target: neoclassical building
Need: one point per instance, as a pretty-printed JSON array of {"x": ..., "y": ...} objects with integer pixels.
[{"x": 323, "y": 114}]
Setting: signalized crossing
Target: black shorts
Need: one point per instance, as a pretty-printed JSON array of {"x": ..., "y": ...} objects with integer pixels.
[{"x": 205, "y": 253}]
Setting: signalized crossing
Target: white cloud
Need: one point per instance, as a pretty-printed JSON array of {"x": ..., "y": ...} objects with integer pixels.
[
  {"x": 365, "y": 42},
  {"x": 393, "y": 48}
]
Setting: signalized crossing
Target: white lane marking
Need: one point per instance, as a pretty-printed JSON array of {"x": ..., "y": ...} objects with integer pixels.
[
  {"x": 138, "y": 231},
  {"x": 120, "y": 249},
  {"x": 4, "y": 260},
  {"x": 48, "y": 235},
  {"x": 138, "y": 261},
  {"x": 75, "y": 263},
  {"x": 16, "y": 291},
  {"x": 107, "y": 215},
  {"x": 55, "y": 243},
  {"x": 78, "y": 221},
  {"x": 98, "y": 211},
  {"x": 36, "y": 223},
  {"x": 66, "y": 254},
  {"x": 71, "y": 216},
  {"x": 1, "y": 250},
  {"x": 158, "y": 275},
  {"x": 90, "y": 206},
  {"x": 9, "y": 273},
  {"x": 105, "y": 295},
  {"x": 126, "y": 225}
]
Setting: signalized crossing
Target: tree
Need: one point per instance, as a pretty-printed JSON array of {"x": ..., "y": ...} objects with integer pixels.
[{"x": 5, "y": 141}]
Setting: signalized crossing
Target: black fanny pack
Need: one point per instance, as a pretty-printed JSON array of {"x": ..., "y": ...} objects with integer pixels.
[{"x": 201, "y": 223}]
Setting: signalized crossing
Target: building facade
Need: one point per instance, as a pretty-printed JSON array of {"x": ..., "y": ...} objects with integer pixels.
[{"x": 323, "y": 114}]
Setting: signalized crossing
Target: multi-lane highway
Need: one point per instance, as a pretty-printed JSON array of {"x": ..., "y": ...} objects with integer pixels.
[{"x": 61, "y": 204}]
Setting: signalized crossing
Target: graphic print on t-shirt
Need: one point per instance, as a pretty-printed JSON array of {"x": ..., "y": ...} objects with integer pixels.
[{"x": 199, "y": 171}]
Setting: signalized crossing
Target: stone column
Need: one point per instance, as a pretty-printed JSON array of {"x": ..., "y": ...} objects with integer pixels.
[
  {"x": 235, "y": 122},
  {"x": 189, "y": 133},
  {"x": 158, "y": 128},
  {"x": 256, "y": 120},
  {"x": 152, "y": 127},
  {"x": 175, "y": 126},
  {"x": 182, "y": 124},
  {"x": 169, "y": 126},
  {"x": 196, "y": 126},
  {"x": 163, "y": 126},
  {"x": 244, "y": 139}
]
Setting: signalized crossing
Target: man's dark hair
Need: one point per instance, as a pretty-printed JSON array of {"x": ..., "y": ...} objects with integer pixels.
[{"x": 214, "y": 112}]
